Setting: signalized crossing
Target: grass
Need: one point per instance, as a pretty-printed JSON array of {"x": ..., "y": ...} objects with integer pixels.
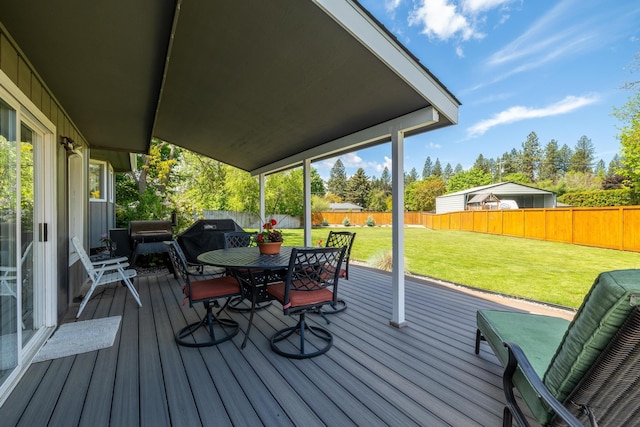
[{"x": 556, "y": 273}]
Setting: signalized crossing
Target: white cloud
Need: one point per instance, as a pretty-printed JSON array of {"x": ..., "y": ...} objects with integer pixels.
[
  {"x": 441, "y": 19},
  {"x": 351, "y": 160},
  {"x": 518, "y": 113},
  {"x": 476, "y": 6},
  {"x": 434, "y": 145},
  {"x": 379, "y": 167},
  {"x": 391, "y": 5}
]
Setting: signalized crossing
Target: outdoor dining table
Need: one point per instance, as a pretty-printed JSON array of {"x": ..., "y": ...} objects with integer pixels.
[{"x": 248, "y": 261}]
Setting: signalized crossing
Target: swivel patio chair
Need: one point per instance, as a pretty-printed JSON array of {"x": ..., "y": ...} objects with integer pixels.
[
  {"x": 339, "y": 239},
  {"x": 243, "y": 239},
  {"x": 206, "y": 290},
  {"x": 570, "y": 373},
  {"x": 311, "y": 282},
  {"x": 105, "y": 272}
]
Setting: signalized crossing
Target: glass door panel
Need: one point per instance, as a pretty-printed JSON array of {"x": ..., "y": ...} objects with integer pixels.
[
  {"x": 9, "y": 292},
  {"x": 28, "y": 144}
]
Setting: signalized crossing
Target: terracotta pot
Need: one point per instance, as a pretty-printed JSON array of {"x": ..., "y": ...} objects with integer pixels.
[{"x": 269, "y": 248}]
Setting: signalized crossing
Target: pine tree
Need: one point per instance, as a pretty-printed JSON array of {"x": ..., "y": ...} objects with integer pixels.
[
  {"x": 550, "y": 164},
  {"x": 531, "y": 156},
  {"x": 359, "y": 189},
  {"x": 427, "y": 169},
  {"x": 582, "y": 159},
  {"x": 337, "y": 183},
  {"x": 448, "y": 171},
  {"x": 437, "y": 168}
]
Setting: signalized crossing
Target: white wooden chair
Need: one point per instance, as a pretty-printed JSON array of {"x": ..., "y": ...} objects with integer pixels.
[
  {"x": 105, "y": 272},
  {"x": 9, "y": 277}
]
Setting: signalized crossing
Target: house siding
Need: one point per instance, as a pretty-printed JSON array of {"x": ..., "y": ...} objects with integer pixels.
[{"x": 14, "y": 64}]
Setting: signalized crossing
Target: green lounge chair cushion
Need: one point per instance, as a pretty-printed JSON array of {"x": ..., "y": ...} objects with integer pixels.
[
  {"x": 604, "y": 309},
  {"x": 538, "y": 336}
]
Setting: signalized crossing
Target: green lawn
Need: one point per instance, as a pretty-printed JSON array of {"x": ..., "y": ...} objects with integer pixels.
[{"x": 557, "y": 273}]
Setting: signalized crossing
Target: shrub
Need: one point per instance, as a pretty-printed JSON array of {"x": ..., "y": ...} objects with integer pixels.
[
  {"x": 325, "y": 222},
  {"x": 346, "y": 221},
  {"x": 370, "y": 221},
  {"x": 621, "y": 197},
  {"x": 383, "y": 260}
]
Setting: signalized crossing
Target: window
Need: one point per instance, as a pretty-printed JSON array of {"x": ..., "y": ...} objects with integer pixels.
[{"x": 97, "y": 180}]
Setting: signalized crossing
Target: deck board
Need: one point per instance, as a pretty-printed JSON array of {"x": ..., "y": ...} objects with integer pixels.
[{"x": 375, "y": 374}]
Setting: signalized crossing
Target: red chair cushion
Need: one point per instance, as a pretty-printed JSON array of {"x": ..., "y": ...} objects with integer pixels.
[
  {"x": 217, "y": 287},
  {"x": 300, "y": 298}
]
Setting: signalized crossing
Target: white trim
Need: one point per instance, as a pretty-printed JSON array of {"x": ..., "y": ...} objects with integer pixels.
[
  {"x": 360, "y": 25},
  {"x": 306, "y": 182},
  {"x": 377, "y": 134},
  {"x": 103, "y": 181}
]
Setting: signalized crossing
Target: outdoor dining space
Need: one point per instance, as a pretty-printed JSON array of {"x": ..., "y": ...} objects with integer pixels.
[{"x": 374, "y": 374}]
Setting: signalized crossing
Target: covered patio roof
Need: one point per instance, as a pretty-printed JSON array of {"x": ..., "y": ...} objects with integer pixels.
[{"x": 253, "y": 85}]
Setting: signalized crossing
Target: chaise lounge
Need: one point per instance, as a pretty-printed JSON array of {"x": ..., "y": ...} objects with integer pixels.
[{"x": 583, "y": 372}]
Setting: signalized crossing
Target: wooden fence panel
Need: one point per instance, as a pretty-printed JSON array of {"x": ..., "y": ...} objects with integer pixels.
[
  {"x": 534, "y": 223},
  {"x": 598, "y": 227},
  {"x": 513, "y": 223},
  {"x": 631, "y": 230},
  {"x": 494, "y": 222},
  {"x": 480, "y": 221},
  {"x": 559, "y": 225}
]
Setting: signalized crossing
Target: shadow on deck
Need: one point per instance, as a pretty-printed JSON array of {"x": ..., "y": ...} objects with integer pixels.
[{"x": 424, "y": 374}]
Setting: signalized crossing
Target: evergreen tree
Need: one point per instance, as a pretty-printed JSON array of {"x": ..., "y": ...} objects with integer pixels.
[
  {"x": 448, "y": 171},
  {"x": 564, "y": 160},
  {"x": 337, "y": 183},
  {"x": 410, "y": 177},
  {"x": 615, "y": 165},
  {"x": 358, "y": 189},
  {"x": 385, "y": 180},
  {"x": 482, "y": 164},
  {"x": 427, "y": 169},
  {"x": 317, "y": 184},
  {"x": 600, "y": 168},
  {"x": 549, "y": 166},
  {"x": 531, "y": 156},
  {"x": 457, "y": 169},
  {"x": 437, "y": 168},
  {"x": 582, "y": 159}
]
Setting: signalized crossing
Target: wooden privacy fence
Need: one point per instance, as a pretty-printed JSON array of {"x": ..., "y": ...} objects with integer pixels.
[{"x": 604, "y": 227}]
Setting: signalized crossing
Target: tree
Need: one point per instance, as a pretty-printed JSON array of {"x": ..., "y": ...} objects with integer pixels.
[
  {"x": 337, "y": 183},
  {"x": 582, "y": 159},
  {"x": 458, "y": 168},
  {"x": 317, "y": 184},
  {"x": 437, "y": 168},
  {"x": 615, "y": 166},
  {"x": 482, "y": 164},
  {"x": 549, "y": 165},
  {"x": 358, "y": 189},
  {"x": 448, "y": 171},
  {"x": 629, "y": 115},
  {"x": 410, "y": 177},
  {"x": 385, "y": 180},
  {"x": 421, "y": 195},
  {"x": 564, "y": 160},
  {"x": 427, "y": 169},
  {"x": 468, "y": 179},
  {"x": 378, "y": 200},
  {"x": 531, "y": 156}
]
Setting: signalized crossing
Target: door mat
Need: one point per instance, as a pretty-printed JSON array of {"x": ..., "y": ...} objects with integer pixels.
[{"x": 80, "y": 337}]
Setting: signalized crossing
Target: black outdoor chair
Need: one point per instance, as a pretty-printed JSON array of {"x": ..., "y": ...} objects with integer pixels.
[
  {"x": 206, "y": 290},
  {"x": 243, "y": 239},
  {"x": 311, "y": 282},
  {"x": 340, "y": 239}
]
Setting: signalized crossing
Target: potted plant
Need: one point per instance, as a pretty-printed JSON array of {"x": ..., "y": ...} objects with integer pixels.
[{"x": 269, "y": 239}]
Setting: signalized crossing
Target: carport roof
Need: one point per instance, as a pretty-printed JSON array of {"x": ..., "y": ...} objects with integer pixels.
[{"x": 254, "y": 85}]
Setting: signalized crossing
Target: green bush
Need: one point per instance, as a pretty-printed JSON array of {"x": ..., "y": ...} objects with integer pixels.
[
  {"x": 325, "y": 223},
  {"x": 370, "y": 221},
  {"x": 346, "y": 221},
  {"x": 620, "y": 197}
]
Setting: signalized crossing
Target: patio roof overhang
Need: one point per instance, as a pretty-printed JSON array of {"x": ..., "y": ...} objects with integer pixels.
[{"x": 250, "y": 84}]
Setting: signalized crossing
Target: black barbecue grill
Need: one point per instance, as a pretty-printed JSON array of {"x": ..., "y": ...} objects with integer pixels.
[
  {"x": 146, "y": 237},
  {"x": 205, "y": 235}
]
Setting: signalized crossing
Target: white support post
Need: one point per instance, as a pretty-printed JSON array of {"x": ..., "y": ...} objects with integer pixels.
[
  {"x": 261, "y": 182},
  {"x": 397, "y": 221},
  {"x": 306, "y": 172}
]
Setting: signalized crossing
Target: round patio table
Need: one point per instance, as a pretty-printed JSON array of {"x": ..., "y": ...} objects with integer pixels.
[{"x": 249, "y": 259}]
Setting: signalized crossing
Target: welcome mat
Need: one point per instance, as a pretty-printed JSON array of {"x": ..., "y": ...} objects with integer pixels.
[{"x": 80, "y": 337}]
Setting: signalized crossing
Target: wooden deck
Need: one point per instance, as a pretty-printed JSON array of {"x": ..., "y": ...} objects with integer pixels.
[{"x": 424, "y": 374}]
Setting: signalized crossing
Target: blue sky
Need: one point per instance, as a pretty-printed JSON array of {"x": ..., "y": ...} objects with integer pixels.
[{"x": 517, "y": 66}]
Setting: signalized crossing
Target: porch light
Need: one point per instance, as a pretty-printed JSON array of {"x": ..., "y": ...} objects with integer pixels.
[{"x": 70, "y": 146}]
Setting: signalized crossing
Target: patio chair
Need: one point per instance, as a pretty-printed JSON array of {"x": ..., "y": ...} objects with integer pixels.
[
  {"x": 243, "y": 239},
  {"x": 339, "y": 239},
  {"x": 105, "y": 272},
  {"x": 206, "y": 290},
  {"x": 311, "y": 282},
  {"x": 570, "y": 373},
  {"x": 9, "y": 277}
]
